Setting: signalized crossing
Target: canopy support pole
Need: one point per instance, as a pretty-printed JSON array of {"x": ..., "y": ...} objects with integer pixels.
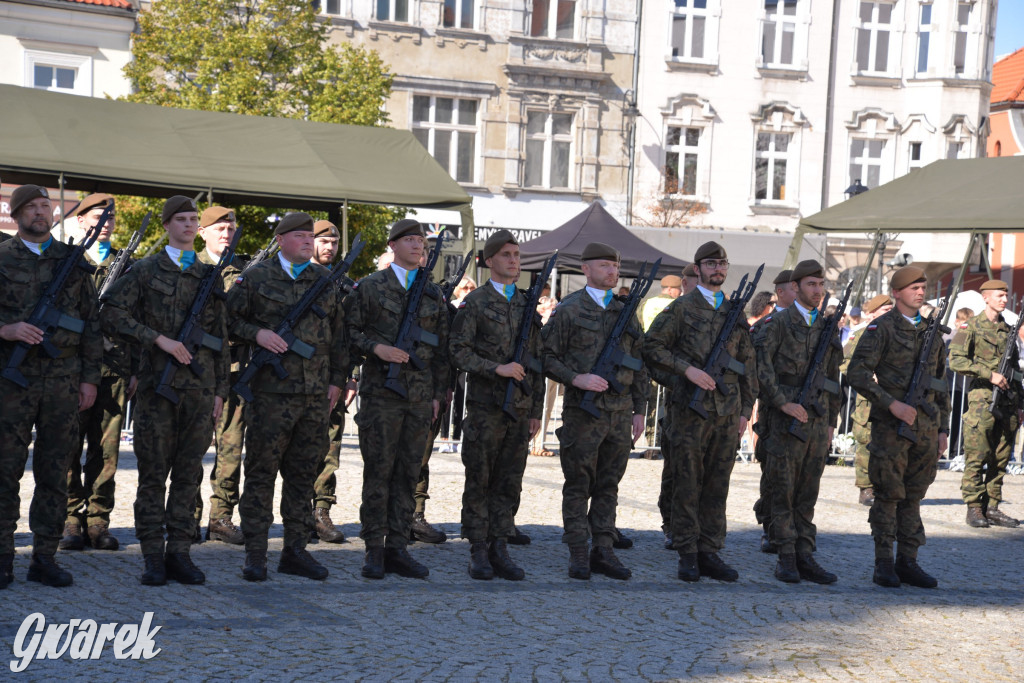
[
  {"x": 60, "y": 232},
  {"x": 344, "y": 226},
  {"x": 794, "y": 248},
  {"x": 867, "y": 267},
  {"x": 469, "y": 237},
  {"x": 958, "y": 283}
]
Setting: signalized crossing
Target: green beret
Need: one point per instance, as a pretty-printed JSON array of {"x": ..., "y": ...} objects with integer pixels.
[
  {"x": 784, "y": 277},
  {"x": 325, "y": 229},
  {"x": 994, "y": 284},
  {"x": 215, "y": 214},
  {"x": 597, "y": 250},
  {"x": 877, "y": 302},
  {"x": 671, "y": 281},
  {"x": 691, "y": 271},
  {"x": 709, "y": 250},
  {"x": 496, "y": 241},
  {"x": 296, "y": 220},
  {"x": 907, "y": 275},
  {"x": 406, "y": 226},
  {"x": 26, "y": 193},
  {"x": 809, "y": 268},
  {"x": 99, "y": 200},
  {"x": 176, "y": 204}
]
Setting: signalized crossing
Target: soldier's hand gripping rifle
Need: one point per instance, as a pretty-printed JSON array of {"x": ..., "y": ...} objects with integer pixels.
[
  {"x": 192, "y": 334},
  {"x": 286, "y": 329},
  {"x": 410, "y": 334},
  {"x": 521, "y": 353},
  {"x": 46, "y": 316},
  {"x": 122, "y": 259},
  {"x": 922, "y": 381},
  {"x": 719, "y": 359},
  {"x": 1009, "y": 369},
  {"x": 815, "y": 382},
  {"x": 612, "y": 356}
]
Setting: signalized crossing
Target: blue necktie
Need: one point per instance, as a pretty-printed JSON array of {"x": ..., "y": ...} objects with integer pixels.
[
  {"x": 813, "y": 316},
  {"x": 509, "y": 291},
  {"x": 186, "y": 259},
  {"x": 719, "y": 298},
  {"x": 103, "y": 248},
  {"x": 43, "y": 247},
  {"x": 607, "y": 298},
  {"x": 917, "y": 318},
  {"x": 410, "y": 277},
  {"x": 297, "y": 268}
]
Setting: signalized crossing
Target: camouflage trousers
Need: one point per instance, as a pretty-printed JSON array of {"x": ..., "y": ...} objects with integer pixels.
[
  {"x": 655, "y": 410},
  {"x": 91, "y": 486},
  {"x": 862, "y": 456},
  {"x": 794, "y": 473},
  {"x": 665, "y": 495},
  {"x": 421, "y": 494},
  {"x": 51, "y": 405},
  {"x": 170, "y": 441},
  {"x": 988, "y": 445},
  {"x": 226, "y": 475},
  {"x": 901, "y": 472},
  {"x": 593, "y": 453},
  {"x": 392, "y": 436},
  {"x": 703, "y": 455},
  {"x": 763, "y": 504},
  {"x": 326, "y": 482},
  {"x": 285, "y": 433},
  {"x": 494, "y": 455}
]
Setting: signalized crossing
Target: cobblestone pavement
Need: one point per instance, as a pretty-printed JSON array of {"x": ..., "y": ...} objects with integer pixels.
[{"x": 549, "y": 627}]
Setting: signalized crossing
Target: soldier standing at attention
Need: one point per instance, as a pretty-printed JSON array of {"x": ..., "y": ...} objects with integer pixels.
[
  {"x": 785, "y": 347},
  {"x": 148, "y": 306},
  {"x": 703, "y": 450},
  {"x": 900, "y": 470},
  {"x": 393, "y": 430},
  {"x": 671, "y": 289},
  {"x": 691, "y": 277},
  {"x": 483, "y": 338},
  {"x": 217, "y": 227},
  {"x": 976, "y": 352},
  {"x": 58, "y": 388},
  {"x": 594, "y": 451},
  {"x": 91, "y": 501}
]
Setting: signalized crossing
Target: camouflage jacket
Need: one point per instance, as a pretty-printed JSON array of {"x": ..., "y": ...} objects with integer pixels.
[
  {"x": 23, "y": 278},
  {"x": 574, "y": 338},
  {"x": 484, "y": 336},
  {"x": 153, "y": 298},
  {"x": 117, "y": 361},
  {"x": 862, "y": 412},
  {"x": 262, "y": 298},
  {"x": 976, "y": 351},
  {"x": 378, "y": 306},
  {"x": 684, "y": 334},
  {"x": 239, "y": 352},
  {"x": 883, "y": 363}
]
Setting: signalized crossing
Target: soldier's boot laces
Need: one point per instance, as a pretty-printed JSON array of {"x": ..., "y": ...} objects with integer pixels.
[
  {"x": 373, "y": 563},
  {"x": 785, "y": 568},
  {"x": 479, "y": 566},
  {"x": 255, "y": 568},
  {"x": 225, "y": 531},
  {"x": 812, "y": 571},
  {"x": 579, "y": 565},
  {"x": 976, "y": 518},
  {"x": 325, "y": 528},
  {"x": 997, "y": 517},
  {"x": 6, "y": 570},
  {"x": 867, "y": 496},
  {"x": 885, "y": 574},
  {"x": 424, "y": 533},
  {"x": 73, "y": 539},
  {"x": 45, "y": 570},
  {"x": 298, "y": 562},
  {"x": 621, "y": 541},
  {"x": 101, "y": 538},
  {"x": 603, "y": 561},
  {"x": 399, "y": 561},
  {"x": 503, "y": 564},
  {"x": 910, "y": 572},
  {"x": 179, "y": 566},
  {"x": 688, "y": 570},
  {"x": 714, "y": 567},
  {"x": 155, "y": 573},
  {"x": 518, "y": 537}
]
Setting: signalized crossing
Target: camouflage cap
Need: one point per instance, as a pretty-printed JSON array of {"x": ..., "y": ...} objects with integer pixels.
[
  {"x": 325, "y": 229},
  {"x": 296, "y": 220},
  {"x": 709, "y": 250},
  {"x": 905, "y": 276},
  {"x": 784, "y": 277},
  {"x": 176, "y": 204},
  {"x": 26, "y": 193},
  {"x": 994, "y": 284},
  {"x": 808, "y": 268},
  {"x": 877, "y": 302},
  {"x": 671, "y": 281},
  {"x": 599, "y": 250},
  {"x": 215, "y": 214},
  {"x": 406, "y": 226},
  {"x": 99, "y": 200},
  {"x": 498, "y": 240},
  {"x": 691, "y": 271}
]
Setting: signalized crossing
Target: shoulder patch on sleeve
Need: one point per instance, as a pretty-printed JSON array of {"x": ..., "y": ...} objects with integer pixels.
[
  {"x": 239, "y": 279},
  {"x": 872, "y": 327}
]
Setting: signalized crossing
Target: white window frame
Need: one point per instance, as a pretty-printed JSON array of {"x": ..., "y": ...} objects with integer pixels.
[
  {"x": 82, "y": 64},
  {"x": 874, "y": 26},
  {"x": 862, "y": 176},
  {"x": 712, "y": 16},
  {"x": 410, "y": 11},
  {"x": 913, "y": 163},
  {"x": 963, "y": 30},
  {"x": 682, "y": 149},
  {"x": 459, "y": 5},
  {"x": 549, "y": 138},
  {"x": 925, "y": 31},
  {"x": 552, "y": 28},
  {"x": 432, "y": 126},
  {"x": 800, "y": 20},
  {"x": 342, "y": 10},
  {"x": 772, "y": 155}
]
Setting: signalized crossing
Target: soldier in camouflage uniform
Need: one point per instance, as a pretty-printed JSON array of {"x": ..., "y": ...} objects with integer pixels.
[
  {"x": 976, "y": 352},
  {"x": 147, "y": 307},
  {"x": 703, "y": 450},
  {"x": 58, "y": 388},
  {"x": 861, "y": 427},
  {"x": 901, "y": 470},
  {"x": 393, "y": 430},
  {"x": 91, "y": 501},
  {"x": 786, "y": 345},
  {"x": 483, "y": 339},
  {"x": 594, "y": 451}
]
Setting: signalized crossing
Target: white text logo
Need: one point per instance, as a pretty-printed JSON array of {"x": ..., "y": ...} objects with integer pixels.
[{"x": 81, "y": 639}]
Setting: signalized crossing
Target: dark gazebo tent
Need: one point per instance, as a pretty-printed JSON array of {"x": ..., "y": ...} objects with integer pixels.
[{"x": 595, "y": 225}]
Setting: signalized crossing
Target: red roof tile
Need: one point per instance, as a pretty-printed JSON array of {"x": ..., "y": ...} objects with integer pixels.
[
  {"x": 1008, "y": 79},
  {"x": 119, "y": 4}
]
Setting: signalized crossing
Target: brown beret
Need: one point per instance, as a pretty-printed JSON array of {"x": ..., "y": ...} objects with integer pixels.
[
  {"x": 325, "y": 229},
  {"x": 784, "y": 277},
  {"x": 691, "y": 271},
  {"x": 26, "y": 193},
  {"x": 809, "y": 268},
  {"x": 215, "y": 214},
  {"x": 406, "y": 226},
  {"x": 599, "y": 250},
  {"x": 709, "y": 250},
  {"x": 176, "y": 204},
  {"x": 877, "y": 302},
  {"x": 99, "y": 200},
  {"x": 671, "y": 281},
  {"x": 296, "y": 220},
  {"x": 496, "y": 241},
  {"x": 994, "y": 284},
  {"x": 907, "y": 275}
]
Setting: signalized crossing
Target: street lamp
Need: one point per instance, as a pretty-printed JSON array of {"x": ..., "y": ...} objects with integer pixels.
[{"x": 855, "y": 189}]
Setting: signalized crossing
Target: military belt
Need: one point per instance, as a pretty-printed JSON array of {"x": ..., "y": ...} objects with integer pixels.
[{"x": 790, "y": 381}]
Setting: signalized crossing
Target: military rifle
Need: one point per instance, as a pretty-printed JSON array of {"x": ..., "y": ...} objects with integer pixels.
[
  {"x": 263, "y": 254},
  {"x": 921, "y": 382},
  {"x": 449, "y": 287},
  {"x": 1007, "y": 368},
  {"x": 521, "y": 352},
  {"x": 122, "y": 259}
]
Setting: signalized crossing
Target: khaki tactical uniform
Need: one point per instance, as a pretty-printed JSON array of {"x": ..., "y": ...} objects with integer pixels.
[
  {"x": 763, "y": 504},
  {"x": 861, "y": 426}
]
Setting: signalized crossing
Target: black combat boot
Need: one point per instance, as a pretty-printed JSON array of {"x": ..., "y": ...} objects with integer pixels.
[
  {"x": 179, "y": 566},
  {"x": 885, "y": 575},
  {"x": 424, "y": 533},
  {"x": 325, "y": 528},
  {"x": 518, "y": 537},
  {"x": 997, "y": 518},
  {"x": 101, "y": 538},
  {"x": 812, "y": 571},
  {"x": 603, "y": 561},
  {"x": 766, "y": 542},
  {"x": 503, "y": 564},
  {"x": 910, "y": 572},
  {"x": 621, "y": 541},
  {"x": 579, "y": 565},
  {"x": 255, "y": 568},
  {"x": 479, "y": 565},
  {"x": 298, "y": 562},
  {"x": 976, "y": 518},
  {"x": 688, "y": 570},
  {"x": 73, "y": 538},
  {"x": 714, "y": 567},
  {"x": 156, "y": 572},
  {"x": 668, "y": 541},
  {"x": 399, "y": 561},
  {"x": 867, "y": 496},
  {"x": 373, "y": 563},
  {"x": 6, "y": 570},
  {"x": 785, "y": 568},
  {"x": 45, "y": 570},
  {"x": 225, "y": 531}
]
